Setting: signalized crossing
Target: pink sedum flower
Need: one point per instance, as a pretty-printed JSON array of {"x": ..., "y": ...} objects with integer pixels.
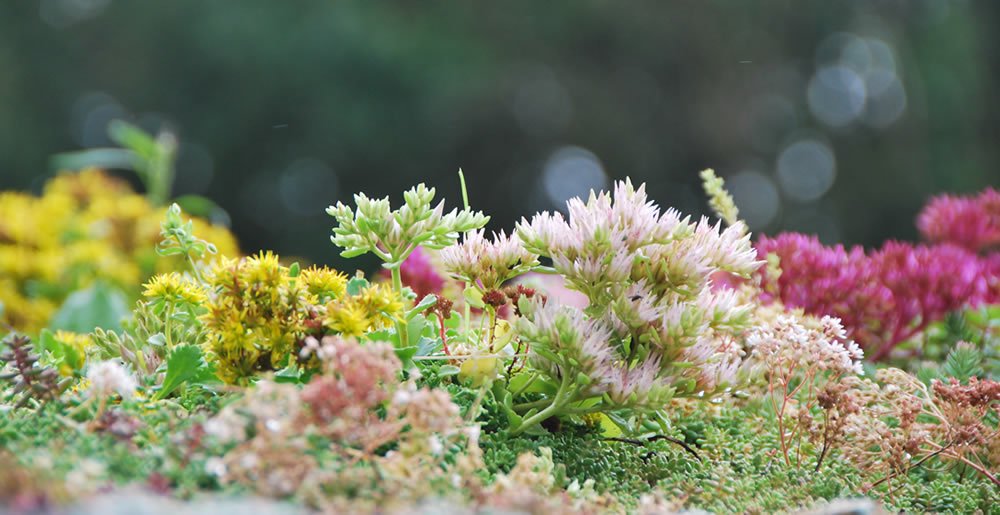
[
  {"x": 972, "y": 222},
  {"x": 419, "y": 273},
  {"x": 884, "y": 297}
]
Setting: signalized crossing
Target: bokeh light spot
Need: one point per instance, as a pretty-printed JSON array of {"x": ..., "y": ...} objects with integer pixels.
[
  {"x": 572, "y": 172},
  {"x": 756, "y": 196},
  {"x": 307, "y": 187},
  {"x": 806, "y": 170}
]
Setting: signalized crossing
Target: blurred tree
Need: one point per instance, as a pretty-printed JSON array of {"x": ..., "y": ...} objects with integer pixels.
[{"x": 285, "y": 108}]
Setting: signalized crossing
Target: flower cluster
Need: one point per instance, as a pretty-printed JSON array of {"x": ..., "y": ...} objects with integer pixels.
[
  {"x": 85, "y": 226},
  {"x": 897, "y": 425},
  {"x": 487, "y": 263},
  {"x": 256, "y": 315},
  {"x": 804, "y": 343},
  {"x": 654, "y": 325},
  {"x": 374, "y": 307},
  {"x": 349, "y": 412},
  {"x": 883, "y": 297},
  {"x": 108, "y": 378},
  {"x": 971, "y": 222},
  {"x": 420, "y": 274},
  {"x": 531, "y": 487},
  {"x": 393, "y": 234},
  {"x": 800, "y": 357},
  {"x": 259, "y": 311}
]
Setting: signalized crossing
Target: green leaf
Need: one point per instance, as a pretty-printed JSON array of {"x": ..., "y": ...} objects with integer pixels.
[
  {"x": 415, "y": 330},
  {"x": 541, "y": 384},
  {"x": 428, "y": 301},
  {"x": 964, "y": 361},
  {"x": 108, "y": 158},
  {"x": 356, "y": 285},
  {"x": 100, "y": 305},
  {"x": 474, "y": 297},
  {"x": 506, "y": 405},
  {"x": 428, "y": 346},
  {"x": 133, "y": 138},
  {"x": 202, "y": 207},
  {"x": 157, "y": 340},
  {"x": 290, "y": 374},
  {"x": 352, "y": 253},
  {"x": 448, "y": 370},
  {"x": 186, "y": 364},
  {"x": 406, "y": 354},
  {"x": 58, "y": 354},
  {"x": 609, "y": 429}
]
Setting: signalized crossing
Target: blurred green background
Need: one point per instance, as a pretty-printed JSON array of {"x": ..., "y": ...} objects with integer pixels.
[{"x": 836, "y": 118}]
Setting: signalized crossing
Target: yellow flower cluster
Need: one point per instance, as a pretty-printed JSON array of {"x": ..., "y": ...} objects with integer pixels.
[
  {"x": 174, "y": 289},
  {"x": 85, "y": 226},
  {"x": 375, "y": 307},
  {"x": 259, "y": 312}
]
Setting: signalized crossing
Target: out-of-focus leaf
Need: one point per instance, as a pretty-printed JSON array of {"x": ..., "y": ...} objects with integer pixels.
[
  {"x": 99, "y": 305},
  {"x": 107, "y": 158}
]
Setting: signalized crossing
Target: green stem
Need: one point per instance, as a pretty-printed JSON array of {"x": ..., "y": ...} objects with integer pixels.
[
  {"x": 563, "y": 397},
  {"x": 531, "y": 381},
  {"x": 397, "y": 285},
  {"x": 525, "y": 406},
  {"x": 194, "y": 268},
  {"x": 167, "y": 329},
  {"x": 493, "y": 326}
]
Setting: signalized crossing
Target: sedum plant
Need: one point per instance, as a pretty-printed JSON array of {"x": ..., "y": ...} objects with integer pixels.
[
  {"x": 393, "y": 235},
  {"x": 88, "y": 234},
  {"x": 655, "y": 325}
]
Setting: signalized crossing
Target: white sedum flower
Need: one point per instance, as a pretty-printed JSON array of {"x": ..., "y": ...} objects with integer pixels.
[
  {"x": 788, "y": 343},
  {"x": 108, "y": 378}
]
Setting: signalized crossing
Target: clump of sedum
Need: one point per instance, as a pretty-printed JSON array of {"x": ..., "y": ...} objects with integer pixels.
[{"x": 655, "y": 326}]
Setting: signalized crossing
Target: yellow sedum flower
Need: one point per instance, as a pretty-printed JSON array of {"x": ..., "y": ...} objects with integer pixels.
[
  {"x": 86, "y": 226},
  {"x": 324, "y": 283},
  {"x": 174, "y": 288},
  {"x": 257, "y": 313},
  {"x": 375, "y": 307},
  {"x": 347, "y": 317}
]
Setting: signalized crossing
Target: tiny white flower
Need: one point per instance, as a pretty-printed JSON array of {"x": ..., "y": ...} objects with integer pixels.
[
  {"x": 215, "y": 466},
  {"x": 110, "y": 377},
  {"x": 436, "y": 446}
]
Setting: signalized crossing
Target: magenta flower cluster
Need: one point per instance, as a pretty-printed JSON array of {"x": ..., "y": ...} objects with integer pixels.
[
  {"x": 971, "y": 222},
  {"x": 419, "y": 273},
  {"x": 883, "y": 297}
]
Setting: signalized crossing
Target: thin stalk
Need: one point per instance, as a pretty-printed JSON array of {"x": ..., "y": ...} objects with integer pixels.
[
  {"x": 465, "y": 204},
  {"x": 167, "y": 329},
  {"x": 397, "y": 286},
  {"x": 194, "y": 268},
  {"x": 493, "y": 327}
]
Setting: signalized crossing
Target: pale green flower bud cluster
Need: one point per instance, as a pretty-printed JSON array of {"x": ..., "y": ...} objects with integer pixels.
[
  {"x": 719, "y": 199},
  {"x": 393, "y": 234}
]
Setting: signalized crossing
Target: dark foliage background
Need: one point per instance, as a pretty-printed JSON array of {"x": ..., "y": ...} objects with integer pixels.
[{"x": 838, "y": 118}]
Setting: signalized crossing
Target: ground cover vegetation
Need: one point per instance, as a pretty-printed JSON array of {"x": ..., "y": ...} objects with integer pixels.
[{"x": 614, "y": 356}]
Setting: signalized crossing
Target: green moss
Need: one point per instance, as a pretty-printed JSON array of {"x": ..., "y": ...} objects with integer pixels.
[{"x": 741, "y": 471}]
